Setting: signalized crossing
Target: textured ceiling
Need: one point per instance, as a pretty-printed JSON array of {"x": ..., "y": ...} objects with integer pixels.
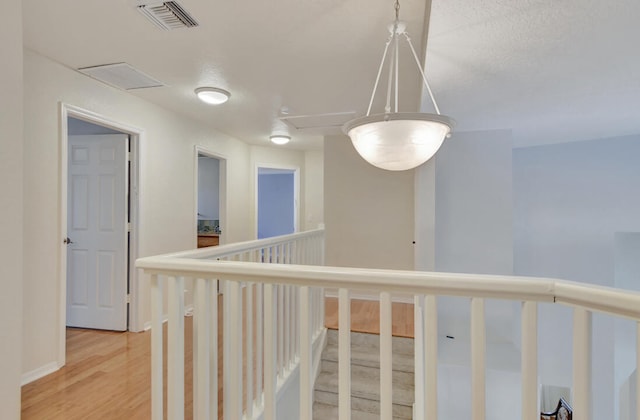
[
  {"x": 550, "y": 70},
  {"x": 313, "y": 57}
]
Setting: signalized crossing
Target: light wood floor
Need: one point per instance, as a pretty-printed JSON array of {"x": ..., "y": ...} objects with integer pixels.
[
  {"x": 365, "y": 317},
  {"x": 108, "y": 374}
]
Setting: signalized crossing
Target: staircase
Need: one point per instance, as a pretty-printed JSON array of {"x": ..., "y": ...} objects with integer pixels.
[{"x": 365, "y": 378}]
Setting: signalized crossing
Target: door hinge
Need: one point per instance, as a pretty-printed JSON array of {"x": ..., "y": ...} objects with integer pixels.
[
  {"x": 128, "y": 299},
  {"x": 129, "y": 227},
  {"x": 128, "y": 156}
]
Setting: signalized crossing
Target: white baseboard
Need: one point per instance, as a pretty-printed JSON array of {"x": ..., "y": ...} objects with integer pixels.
[
  {"x": 38, "y": 373},
  {"x": 399, "y": 298}
]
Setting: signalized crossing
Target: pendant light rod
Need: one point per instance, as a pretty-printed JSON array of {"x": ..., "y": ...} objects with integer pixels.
[
  {"x": 397, "y": 47},
  {"x": 394, "y": 50},
  {"x": 397, "y": 60},
  {"x": 375, "y": 86},
  {"x": 424, "y": 78}
]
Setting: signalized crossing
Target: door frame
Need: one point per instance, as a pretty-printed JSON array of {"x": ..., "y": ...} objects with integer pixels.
[
  {"x": 135, "y": 138},
  {"x": 296, "y": 193},
  {"x": 222, "y": 192}
]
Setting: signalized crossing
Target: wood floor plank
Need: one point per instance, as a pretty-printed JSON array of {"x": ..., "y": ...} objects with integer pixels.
[{"x": 365, "y": 317}]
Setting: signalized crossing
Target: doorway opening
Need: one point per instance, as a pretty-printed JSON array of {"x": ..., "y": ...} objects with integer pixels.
[
  {"x": 277, "y": 201},
  {"x": 99, "y": 174},
  {"x": 210, "y": 181}
]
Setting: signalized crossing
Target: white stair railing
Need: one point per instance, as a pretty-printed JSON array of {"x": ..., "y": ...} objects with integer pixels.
[
  {"x": 257, "y": 362},
  {"x": 294, "y": 292}
]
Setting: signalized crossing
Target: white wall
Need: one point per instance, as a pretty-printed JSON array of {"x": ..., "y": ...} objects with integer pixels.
[
  {"x": 314, "y": 189},
  {"x": 463, "y": 223},
  {"x": 11, "y": 208},
  {"x": 570, "y": 199},
  {"x": 425, "y": 216},
  {"x": 368, "y": 211},
  {"x": 473, "y": 231},
  {"x": 208, "y": 188},
  {"x": 503, "y": 399},
  {"x": 167, "y": 193}
]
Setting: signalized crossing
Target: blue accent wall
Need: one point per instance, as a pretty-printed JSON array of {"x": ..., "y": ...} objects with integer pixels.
[{"x": 275, "y": 205}]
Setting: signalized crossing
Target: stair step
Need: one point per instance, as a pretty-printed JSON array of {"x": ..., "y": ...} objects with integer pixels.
[
  {"x": 365, "y": 383},
  {"x": 403, "y": 345},
  {"x": 365, "y": 351},
  {"x": 365, "y": 378},
  {"x": 330, "y": 412}
]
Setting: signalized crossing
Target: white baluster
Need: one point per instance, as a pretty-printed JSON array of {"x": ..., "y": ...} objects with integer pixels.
[
  {"x": 269, "y": 352},
  {"x": 478, "y": 350},
  {"x": 293, "y": 313},
  {"x": 322, "y": 307},
  {"x": 249, "y": 308},
  {"x": 156, "y": 348},
  {"x": 530, "y": 410},
  {"x": 175, "y": 349},
  {"x": 233, "y": 350},
  {"x": 287, "y": 326},
  {"x": 213, "y": 349},
  {"x": 430, "y": 322},
  {"x": 386, "y": 365},
  {"x": 259, "y": 342},
  {"x": 314, "y": 311},
  {"x": 306, "y": 376},
  {"x": 289, "y": 253},
  {"x": 344, "y": 358},
  {"x": 297, "y": 251},
  {"x": 201, "y": 342},
  {"x": 419, "y": 345},
  {"x": 280, "y": 289},
  {"x": 296, "y": 319},
  {"x": 581, "y": 364}
]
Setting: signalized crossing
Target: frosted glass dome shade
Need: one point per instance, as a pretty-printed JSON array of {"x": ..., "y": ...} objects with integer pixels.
[
  {"x": 212, "y": 96},
  {"x": 398, "y": 141}
]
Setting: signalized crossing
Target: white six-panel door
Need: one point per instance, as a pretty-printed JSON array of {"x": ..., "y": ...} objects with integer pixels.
[{"x": 97, "y": 230}]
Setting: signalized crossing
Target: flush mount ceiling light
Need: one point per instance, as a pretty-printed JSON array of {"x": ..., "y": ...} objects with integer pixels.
[
  {"x": 398, "y": 141},
  {"x": 212, "y": 96},
  {"x": 280, "y": 139}
]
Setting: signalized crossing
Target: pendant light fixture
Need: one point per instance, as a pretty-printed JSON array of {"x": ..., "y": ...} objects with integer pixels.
[{"x": 393, "y": 140}]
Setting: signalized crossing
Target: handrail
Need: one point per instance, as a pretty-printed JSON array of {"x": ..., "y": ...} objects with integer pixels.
[
  {"x": 225, "y": 250},
  {"x": 598, "y": 298}
]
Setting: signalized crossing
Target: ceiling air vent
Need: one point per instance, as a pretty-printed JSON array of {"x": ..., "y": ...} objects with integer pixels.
[
  {"x": 167, "y": 15},
  {"x": 121, "y": 75},
  {"x": 318, "y": 121}
]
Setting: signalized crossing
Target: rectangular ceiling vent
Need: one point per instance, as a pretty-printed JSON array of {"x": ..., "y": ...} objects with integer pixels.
[
  {"x": 121, "y": 75},
  {"x": 167, "y": 15},
  {"x": 317, "y": 122}
]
